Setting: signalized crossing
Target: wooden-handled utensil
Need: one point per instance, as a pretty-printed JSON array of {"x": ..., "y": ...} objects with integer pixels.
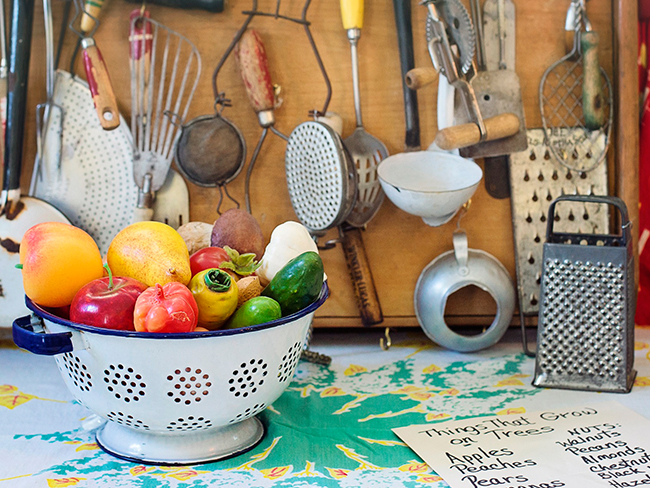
[
  {"x": 366, "y": 151},
  {"x": 254, "y": 69},
  {"x": 97, "y": 74},
  {"x": 92, "y": 8},
  {"x": 464, "y": 135},
  {"x": 593, "y": 105},
  {"x": 100, "y": 85}
]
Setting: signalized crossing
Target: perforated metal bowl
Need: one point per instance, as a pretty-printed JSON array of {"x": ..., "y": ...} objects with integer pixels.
[{"x": 172, "y": 398}]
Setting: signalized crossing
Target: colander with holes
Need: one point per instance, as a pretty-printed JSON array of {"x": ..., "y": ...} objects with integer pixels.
[{"x": 172, "y": 398}]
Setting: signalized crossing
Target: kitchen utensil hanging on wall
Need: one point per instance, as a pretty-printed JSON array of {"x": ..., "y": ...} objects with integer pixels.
[
  {"x": 254, "y": 70},
  {"x": 452, "y": 271},
  {"x": 211, "y": 151},
  {"x": 84, "y": 170},
  {"x": 497, "y": 47},
  {"x": 497, "y": 91},
  {"x": 449, "y": 24},
  {"x": 96, "y": 71},
  {"x": 403, "y": 24},
  {"x": 536, "y": 179},
  {"x": 17, "y": 213},
  {"x": 165, "y": 69},
  {"x": 575, "y": 94},
  {"x": 366, "y": 152}
]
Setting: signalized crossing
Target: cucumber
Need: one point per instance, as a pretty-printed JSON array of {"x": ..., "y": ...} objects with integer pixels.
[
  {"x": 255, "y": 311},
  {"x": 297, "y": 284}
]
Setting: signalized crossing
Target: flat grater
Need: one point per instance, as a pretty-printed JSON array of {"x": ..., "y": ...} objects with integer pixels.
[
  {"x": 585, "y": 334},
  {"x": 536, "y": 179}
]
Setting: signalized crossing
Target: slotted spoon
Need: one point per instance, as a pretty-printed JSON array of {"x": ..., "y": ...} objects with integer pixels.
[{"x": 365, "y": 149}]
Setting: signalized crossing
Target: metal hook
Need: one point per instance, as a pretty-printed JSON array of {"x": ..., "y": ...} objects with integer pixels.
[
  {"x": 302, "y": 20},
  {"x": 222, "y": 190},
  {"x": 462, "y": 212},
  {"x": 385, "y": 344}
]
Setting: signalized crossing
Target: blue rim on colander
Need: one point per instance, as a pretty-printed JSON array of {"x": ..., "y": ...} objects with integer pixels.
[{"x": 43, "y": 313}]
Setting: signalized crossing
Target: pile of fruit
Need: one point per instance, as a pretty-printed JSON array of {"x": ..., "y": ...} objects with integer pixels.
[{"x": 201, "y": 277}]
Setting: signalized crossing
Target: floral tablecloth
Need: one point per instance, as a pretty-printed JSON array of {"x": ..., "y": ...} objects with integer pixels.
[{"x": 331, "y": 427}]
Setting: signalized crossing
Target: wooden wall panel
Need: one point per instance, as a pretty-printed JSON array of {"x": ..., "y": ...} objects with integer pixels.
[{"x": 398, "y": 245}]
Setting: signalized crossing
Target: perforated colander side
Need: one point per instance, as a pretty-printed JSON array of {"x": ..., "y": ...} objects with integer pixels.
[
  {"x": 128, "y": 420},
  {"x": 249, "y": 412},
  {"x": 124, "y": 383},
  {"x": 77, "y": 371},
  {"x": 189, "y": 423},
  {"x": 248, "y": 377},
  {"x": 188, "y": 385},
  {"x": 319, "y": 177},
  {"x": 289, "y": 362}
]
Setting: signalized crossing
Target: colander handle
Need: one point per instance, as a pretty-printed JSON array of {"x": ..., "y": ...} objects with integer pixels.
[
  {"x": 626, "y": 228},
  {"x": 45, "y": 344}
]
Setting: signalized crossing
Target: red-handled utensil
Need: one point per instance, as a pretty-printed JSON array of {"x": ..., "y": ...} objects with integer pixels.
[
  {"x": 97, "y": 74},
  {"x": 100, "y": 85},
  {"x": 254, "y": 69}
]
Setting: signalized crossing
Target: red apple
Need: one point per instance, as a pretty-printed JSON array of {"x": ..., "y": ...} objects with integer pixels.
[{"x": 107, "y": 302}]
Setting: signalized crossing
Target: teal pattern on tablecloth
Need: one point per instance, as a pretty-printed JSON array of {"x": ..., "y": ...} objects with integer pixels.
[{"x": 331, "y": 427}]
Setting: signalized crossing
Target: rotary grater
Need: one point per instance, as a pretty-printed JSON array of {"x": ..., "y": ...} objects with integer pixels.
[{"x": 585, "y": 334}]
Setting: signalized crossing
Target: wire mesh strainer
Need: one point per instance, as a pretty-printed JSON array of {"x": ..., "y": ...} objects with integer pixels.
[{"x": 173, "y": 398}]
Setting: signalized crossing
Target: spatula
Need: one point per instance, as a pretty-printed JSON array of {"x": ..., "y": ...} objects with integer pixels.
[{"x": 366, "y": 150}]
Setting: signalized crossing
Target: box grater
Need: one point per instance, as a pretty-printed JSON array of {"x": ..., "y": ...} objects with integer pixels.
[{"x": 585, "y": 334}]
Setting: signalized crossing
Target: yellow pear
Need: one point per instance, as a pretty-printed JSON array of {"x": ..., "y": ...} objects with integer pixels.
[{"x": 150, "y": 252}]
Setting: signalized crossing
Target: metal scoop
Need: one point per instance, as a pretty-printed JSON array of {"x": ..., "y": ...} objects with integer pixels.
[{"x": 365, "y": 149}]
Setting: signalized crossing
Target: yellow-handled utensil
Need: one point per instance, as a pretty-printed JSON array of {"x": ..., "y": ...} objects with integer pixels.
[
  {"x": 352, "y": 14},
  {"x": 367, "y": 152}
]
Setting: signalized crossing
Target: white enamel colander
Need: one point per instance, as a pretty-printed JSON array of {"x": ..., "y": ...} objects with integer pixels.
[{"x": 172, "y": 398}]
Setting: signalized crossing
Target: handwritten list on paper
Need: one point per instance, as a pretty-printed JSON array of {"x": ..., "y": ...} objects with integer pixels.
[{"x": 588, "y": 446}]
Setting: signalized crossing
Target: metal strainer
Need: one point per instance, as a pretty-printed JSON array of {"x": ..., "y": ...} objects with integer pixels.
[{"x": 211, "y": 152}]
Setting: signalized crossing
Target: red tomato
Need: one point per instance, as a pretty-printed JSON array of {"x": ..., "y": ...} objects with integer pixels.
[
  {"x": 168, "y": 308},
  {"x": 206, "y": 258}
]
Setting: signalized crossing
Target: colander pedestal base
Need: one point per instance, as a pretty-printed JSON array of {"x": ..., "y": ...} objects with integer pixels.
[{"x": 196, "y": 447}]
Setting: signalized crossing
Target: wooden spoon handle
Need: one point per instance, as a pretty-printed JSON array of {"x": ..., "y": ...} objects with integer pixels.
[{"x": 457, "y": 136}]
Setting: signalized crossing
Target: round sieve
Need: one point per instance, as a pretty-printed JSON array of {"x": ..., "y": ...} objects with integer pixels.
[
  {"x": 321, "y": 177},
  {"x": 211, "y": 151}
]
